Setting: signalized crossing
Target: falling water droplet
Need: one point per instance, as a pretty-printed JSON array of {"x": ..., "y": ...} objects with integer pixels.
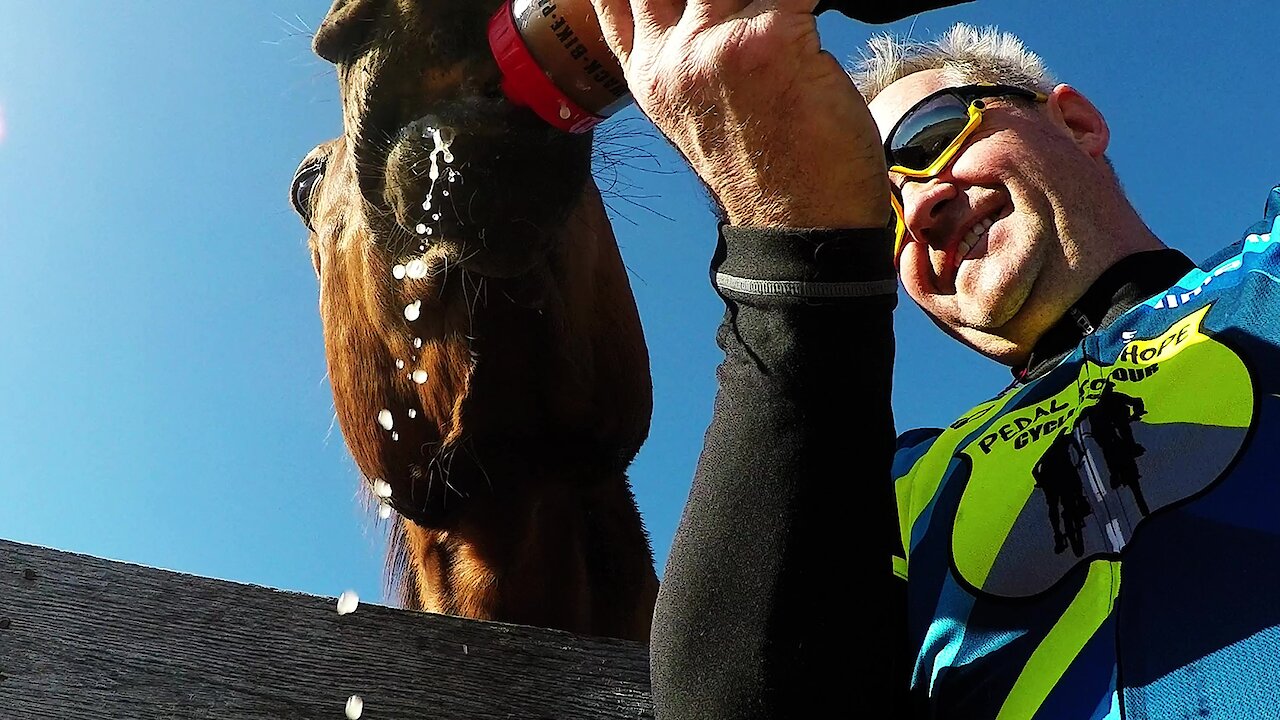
[
  {"x": 419, "y": 376},
  {"x": 382, "y": 488},
  {"x": 348, "y": 602},
  {"x": 413, "y": 413},
  {"x": 355, "y": 707},
  {"x": 416, "y": 269},
  {"x": 397, "y": 272},
  {"x": 413, "y": 310},
  {"x": 385, "y": 420},
  {"x": 384, "y": 511},
  {"x": 399, "y": 364}
]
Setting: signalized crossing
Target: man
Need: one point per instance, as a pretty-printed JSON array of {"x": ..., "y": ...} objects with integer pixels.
[{"x": 1012, "y": 233}]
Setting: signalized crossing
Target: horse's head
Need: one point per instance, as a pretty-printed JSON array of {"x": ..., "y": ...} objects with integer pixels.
[{"x": 483, "y": 345}]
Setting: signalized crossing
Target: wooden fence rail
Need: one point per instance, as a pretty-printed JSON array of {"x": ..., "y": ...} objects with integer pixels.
[{"x": 84, "y": 638}]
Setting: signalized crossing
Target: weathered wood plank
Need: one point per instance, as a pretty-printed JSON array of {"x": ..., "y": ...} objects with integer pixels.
[{"x": 82, "y": 637}]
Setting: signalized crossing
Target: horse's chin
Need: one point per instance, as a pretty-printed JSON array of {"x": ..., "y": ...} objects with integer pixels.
[{"x": 473, "y": 255}]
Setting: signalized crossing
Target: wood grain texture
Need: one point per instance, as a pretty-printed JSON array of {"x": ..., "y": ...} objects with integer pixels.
[{"x": 86, "y": 638}]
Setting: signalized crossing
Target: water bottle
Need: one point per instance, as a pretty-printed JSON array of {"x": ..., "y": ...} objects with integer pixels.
[{"x": 555, "y": 62}]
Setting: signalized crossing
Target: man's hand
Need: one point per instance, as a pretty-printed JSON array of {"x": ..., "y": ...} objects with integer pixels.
[{"x": 768, "y": 120}]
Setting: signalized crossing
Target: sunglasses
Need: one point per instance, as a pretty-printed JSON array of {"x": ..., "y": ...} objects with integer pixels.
[{"x": 927, "y": 137}]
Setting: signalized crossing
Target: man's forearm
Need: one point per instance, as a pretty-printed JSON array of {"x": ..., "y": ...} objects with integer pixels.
[{"x": 792, "y": 497}]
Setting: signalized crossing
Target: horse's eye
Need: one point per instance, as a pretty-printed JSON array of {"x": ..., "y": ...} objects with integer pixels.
[{"x": 304, "y": 185}]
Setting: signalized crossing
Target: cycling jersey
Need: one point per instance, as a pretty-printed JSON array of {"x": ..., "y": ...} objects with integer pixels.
[{"x": 1102, "y": 539}]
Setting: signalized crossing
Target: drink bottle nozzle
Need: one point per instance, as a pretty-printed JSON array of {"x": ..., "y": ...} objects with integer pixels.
[{"x": 524, "y": 81}]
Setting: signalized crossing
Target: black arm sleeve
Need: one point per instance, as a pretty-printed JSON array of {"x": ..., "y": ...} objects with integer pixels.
[{"x": 779, "y": 599}]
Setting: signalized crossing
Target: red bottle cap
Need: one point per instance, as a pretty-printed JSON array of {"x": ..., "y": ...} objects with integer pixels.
[{"x": 526, "y": 84}]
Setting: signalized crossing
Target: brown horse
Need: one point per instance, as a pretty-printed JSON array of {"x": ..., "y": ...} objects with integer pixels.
[{"x": 483, "y": 344}]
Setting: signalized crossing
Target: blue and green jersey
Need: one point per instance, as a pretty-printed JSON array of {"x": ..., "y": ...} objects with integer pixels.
[{"x": 1103, "y": 541}]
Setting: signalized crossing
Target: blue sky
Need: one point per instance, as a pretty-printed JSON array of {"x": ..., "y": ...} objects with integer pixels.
[{"x": 163, "y": 397}]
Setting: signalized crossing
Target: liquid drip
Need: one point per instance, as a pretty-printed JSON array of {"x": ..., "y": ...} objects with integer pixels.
[
  {"x": 416, "y": 269},
  {"x": 441, "y": 150},
  {"x": 385, "y": 420},
  {"x": 413, "y": 310}
]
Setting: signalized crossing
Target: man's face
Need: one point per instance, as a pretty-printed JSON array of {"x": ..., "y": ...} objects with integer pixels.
[{"x": 985, "y": 254}]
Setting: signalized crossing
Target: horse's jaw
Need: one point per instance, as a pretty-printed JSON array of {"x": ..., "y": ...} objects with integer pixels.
[{"x": 497, "y": 410}]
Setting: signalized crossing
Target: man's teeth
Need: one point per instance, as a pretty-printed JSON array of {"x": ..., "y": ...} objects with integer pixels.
[{"x": 972, "y": 237}]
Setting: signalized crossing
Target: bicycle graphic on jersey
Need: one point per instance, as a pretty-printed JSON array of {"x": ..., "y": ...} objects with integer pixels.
[{"x": 1088, "y": 465}]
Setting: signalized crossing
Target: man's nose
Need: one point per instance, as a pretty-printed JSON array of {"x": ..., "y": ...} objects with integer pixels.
[
  {"x": 346, "y": 28},
  {"x": 923, "y": 202}
]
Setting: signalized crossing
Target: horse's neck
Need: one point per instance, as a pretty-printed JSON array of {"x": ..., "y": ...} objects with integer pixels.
[
  {"x": 530, "y": 516},
  {"x": 562, "y": 552}
]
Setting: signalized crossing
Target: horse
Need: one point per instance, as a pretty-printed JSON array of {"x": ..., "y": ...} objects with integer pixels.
[{"x": 488, "y": 366}]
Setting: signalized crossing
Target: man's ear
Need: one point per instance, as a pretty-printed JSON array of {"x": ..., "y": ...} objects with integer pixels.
[{"x": 1080, "y": 119}]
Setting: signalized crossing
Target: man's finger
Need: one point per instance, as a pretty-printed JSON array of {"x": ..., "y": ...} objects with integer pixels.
[
  {"x": 656, "y": 15},
  {"x": 619, "y": 28},
  {"x": 715, "y": 11}
]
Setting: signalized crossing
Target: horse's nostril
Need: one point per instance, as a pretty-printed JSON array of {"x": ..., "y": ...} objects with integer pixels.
[{"x": 346, "y": 27}]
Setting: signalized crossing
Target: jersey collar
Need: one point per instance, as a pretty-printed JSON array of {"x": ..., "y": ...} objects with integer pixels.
[{"x": 1120, "y": 287}]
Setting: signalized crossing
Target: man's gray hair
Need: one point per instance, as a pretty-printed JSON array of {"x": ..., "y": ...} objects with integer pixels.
[{"x": 964, "y": 53}]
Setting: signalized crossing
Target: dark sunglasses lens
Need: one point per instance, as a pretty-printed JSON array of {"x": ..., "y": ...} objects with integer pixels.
[{"x": 927, "y": 131}]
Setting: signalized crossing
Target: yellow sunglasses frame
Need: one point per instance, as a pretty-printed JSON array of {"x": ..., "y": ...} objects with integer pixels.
[
  {"x": 976, "y": 107},
  {"x": 944, "y": 159}
]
